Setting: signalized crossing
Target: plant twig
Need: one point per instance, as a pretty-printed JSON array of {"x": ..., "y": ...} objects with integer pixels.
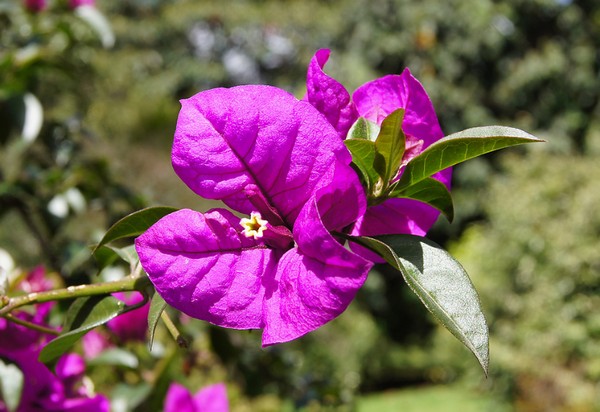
[
  {"x": 132, "y": 282},
  {"x": 31, "y": 325},
  {"x": 181, "y": 341}
]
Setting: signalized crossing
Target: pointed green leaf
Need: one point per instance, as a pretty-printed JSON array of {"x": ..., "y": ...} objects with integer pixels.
[
  {"x": 363, "y": 156},
  {"x": 390, "y": 144},
  {"x": 364, "y": 129},
  {"x": 105, "y": 256},
  {"x": 84, "y": 315},
  {"x": 134, "y": 224},
  {"x": 430, "y": 191},
  {"x": 11, "y": 385},
  {"x": 461, "y": 146},
  {"x": 127, "y": 254},
  {"x": 442, "y": 285},
  {"x": 157, "y": 305}
]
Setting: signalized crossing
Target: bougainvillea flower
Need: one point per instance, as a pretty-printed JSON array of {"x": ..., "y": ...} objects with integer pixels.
[
  {"x": 94, "y": 343},
  {"x": 16, "y": 336},
  {"x": 374, "y": 101},
  {"x": 131, "y": 325},
  {"x": 211, "y": 398},
  {"x": 279, "y": 161},
  {"x": 45, "y": 392}
]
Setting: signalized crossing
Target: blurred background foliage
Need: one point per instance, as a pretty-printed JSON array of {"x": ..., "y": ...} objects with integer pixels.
[{"x": 527, "y": 221}]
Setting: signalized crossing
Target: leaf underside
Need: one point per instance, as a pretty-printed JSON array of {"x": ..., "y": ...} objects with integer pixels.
[{"x": 441, "y": 284}]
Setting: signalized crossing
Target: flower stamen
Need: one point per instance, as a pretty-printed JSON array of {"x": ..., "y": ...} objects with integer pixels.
[{"x": 255, "y": 226}]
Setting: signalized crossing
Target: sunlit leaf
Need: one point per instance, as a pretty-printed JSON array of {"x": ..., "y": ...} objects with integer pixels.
[
  {"x": 157, "y": 306},
  {"x": 363, "y": 156},
  {"x": 390, "y": 145},
  {"x": 134, "y": 224},
  {"x": 84, "y": 315},
  {"x": 430, "y": 191},
  {"x": 364, "y": 129},
  {"x": 11, "y": 385},
  {"x": 442, "y": 285},
  {"x": 461, "y": 146},
  {"x": 105, "y": 256}
]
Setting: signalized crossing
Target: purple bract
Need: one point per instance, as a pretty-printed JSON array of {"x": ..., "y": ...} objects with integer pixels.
[
  {"x": 15, "y": 336},
  {"x": 131, "y": 325},
  {"x": 211, "y": 398},
  {"x": 281, "y": 269},
  {"x": 374, "y": 101},
  {"x": 45, "y": 392}
]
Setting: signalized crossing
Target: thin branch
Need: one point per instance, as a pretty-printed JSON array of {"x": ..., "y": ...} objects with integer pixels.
[
  {"x": 181, "y": 341},
  {"x": 31, "y": 325},
  {"x": 132, "y": 282}
]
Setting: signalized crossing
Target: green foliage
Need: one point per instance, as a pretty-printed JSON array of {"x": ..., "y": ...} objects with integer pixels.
[
  {"x": 134, "y": 224},
  {"x": 390, "y": 145},
  {"x": 459, "y": 147},
  {"x": 442, "y": 285},
  {"x": 438, "y": 398},
  {"x": 364, "y": 153},
  {"x": 430, "y": 191},
  {"x": 535, "y": 265},
  {"x": 108, "y": 122},
  {"x": 84, "y": 315},
  {"x": 157, "y": 306},
  {"x": 531, "y": 64}
]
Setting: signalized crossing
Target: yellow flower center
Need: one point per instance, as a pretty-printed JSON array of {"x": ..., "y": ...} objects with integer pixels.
[{"x": 255, "y": 226}]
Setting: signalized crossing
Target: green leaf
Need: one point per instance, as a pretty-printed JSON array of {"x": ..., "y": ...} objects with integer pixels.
[
  {"x": 105, "y": 256},
  {"x": 363, "y": 156},
  {"x": 84, "y": 315},
  {"x": 130, "y": 396},
  {"x": 461, "y": 146},
  {"x": 157, "y": 305},
  {"x": 442, "y": 285},
  {"x": 430, "y": 191},
  {"x": 134, "y": 224},
  {"x": 364, "y": 129},
  {"x": 390, "y": 144},
  {"x": 11, "y": 385},
  {"x": 116, "y": 356}
]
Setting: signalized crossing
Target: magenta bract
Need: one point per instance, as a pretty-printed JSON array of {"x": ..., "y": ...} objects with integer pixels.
[
  {"x": 16, "y": 337},
  {"x": 45, "y": 392},
  {"x": 374, "y": 101},
  {"x": 211, "y": 398},
  {"x": 268, "y": 155},
  {"x": 131, "y": 325}
]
